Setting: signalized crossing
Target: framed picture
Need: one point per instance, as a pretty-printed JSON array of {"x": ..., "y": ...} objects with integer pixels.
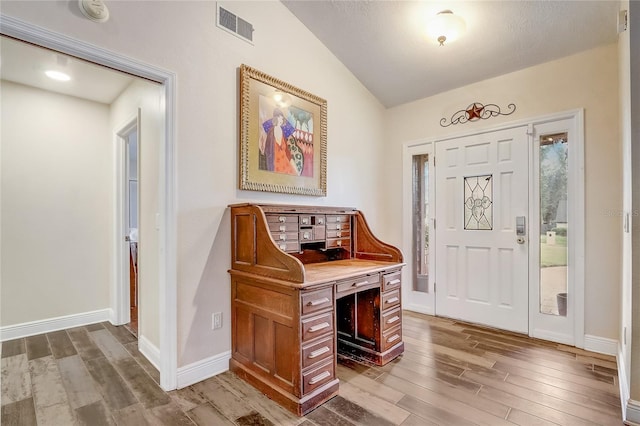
[{"x": 283, "y": 136}]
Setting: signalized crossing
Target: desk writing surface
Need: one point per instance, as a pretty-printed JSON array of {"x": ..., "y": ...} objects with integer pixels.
[{"x": 316, "y": 273}]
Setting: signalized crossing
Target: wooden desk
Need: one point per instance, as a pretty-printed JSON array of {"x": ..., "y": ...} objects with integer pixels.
[{"x": 307, "y": 282}]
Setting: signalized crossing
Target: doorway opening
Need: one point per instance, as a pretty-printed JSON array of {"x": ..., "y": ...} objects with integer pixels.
[
  {"x": 162, "y": 352},
  {"x": 129, "y": 137}
]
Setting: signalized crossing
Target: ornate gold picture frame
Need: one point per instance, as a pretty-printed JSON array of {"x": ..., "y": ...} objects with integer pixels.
[{"x": 283, "y": 136}]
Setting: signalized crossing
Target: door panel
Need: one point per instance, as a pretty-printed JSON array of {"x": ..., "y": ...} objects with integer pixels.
[{"x": 481, "y": 185}]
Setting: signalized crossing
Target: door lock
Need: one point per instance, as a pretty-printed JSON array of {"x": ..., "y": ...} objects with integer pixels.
[{"x": 521, "y": 229}]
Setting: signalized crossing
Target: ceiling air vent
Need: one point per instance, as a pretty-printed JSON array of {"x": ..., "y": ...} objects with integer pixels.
[{"x": 237, "y": 26}]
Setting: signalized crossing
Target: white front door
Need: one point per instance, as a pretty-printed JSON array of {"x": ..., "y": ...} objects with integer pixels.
[{"x": 481, "y": 268}]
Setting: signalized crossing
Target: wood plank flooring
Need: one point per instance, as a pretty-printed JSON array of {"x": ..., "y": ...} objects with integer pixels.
[{"x": 451, "y": 373}]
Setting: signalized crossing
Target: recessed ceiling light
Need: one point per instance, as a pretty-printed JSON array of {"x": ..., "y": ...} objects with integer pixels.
[{"x": 57, "y": 75}]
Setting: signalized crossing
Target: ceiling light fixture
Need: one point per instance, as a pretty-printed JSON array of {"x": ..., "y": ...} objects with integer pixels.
[
  {"x": 57, "y": 75},
  {"x": 445, "y": 26}
]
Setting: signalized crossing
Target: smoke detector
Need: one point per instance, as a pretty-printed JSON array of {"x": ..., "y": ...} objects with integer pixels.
[{"x": 94, "y": 10}]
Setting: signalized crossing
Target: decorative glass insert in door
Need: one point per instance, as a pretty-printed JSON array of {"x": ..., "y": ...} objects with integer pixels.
[
  {"x": 554, "y": 223},
  {"x": 478, "y": 202},
  {"x": 420, "y": 209}
]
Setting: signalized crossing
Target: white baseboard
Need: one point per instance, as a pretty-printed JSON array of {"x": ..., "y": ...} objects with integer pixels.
[
  {"x": 418, "y": 308},
  {"x": 601, "y": 345},
  {"x": 201, "y": 370},
  {"x": 48, "y": 325},
  {"x": 553, "y": 336},
  {"x": 150, "y": 351},
  {"x": 633, "y": 412}
]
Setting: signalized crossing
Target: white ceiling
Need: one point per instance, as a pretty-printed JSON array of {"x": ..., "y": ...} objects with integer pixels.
[
  {"x": 25, "y": 64},
  {"x": 383, "y": 42}
]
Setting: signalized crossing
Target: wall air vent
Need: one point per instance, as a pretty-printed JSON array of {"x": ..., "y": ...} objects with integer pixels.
[{"x": 235, "y": 25}]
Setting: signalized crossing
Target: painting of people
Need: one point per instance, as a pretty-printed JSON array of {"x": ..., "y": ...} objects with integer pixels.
[
  {"x": 283, "y": 136},
  {"x": 286, "y": 139}
]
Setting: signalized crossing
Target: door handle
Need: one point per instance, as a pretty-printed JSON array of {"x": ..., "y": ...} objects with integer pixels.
[{"x": 521, "y": 229}]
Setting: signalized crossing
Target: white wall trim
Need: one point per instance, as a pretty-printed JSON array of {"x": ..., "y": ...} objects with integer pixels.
[
  {"x": 418, "y": 308},
  {"x": 167, "y": 317},
  {"x": 632, "y": 412},
  {"x": 622, "y": 381},
  {"x": 600, "y": 345},
  {"x": 150, "y": 351},
  {"x": 48, "y": 325},
  {"x": 201, "y": 370}
]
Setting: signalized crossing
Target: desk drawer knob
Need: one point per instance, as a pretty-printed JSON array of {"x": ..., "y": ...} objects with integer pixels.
[
  {"x": 393, "y": 338},
  {"x": 394, "y": 282},
  {"x": 393, "y": 319},
  {"x": 305, "y": 220},
  {"x": 283, "y": 246},
  {"x": 282, "y": 219},
  {"x": 392, "y": 300},
  {"x": 283, "y": 237},
  {"x": 338, "y": 234},
  {"x": 319, "y": 378},
  {"x": 319, "y": 327},
  {"x": 318, "y": 302},
  {"x": 360, "y": 284},
  {"x": 318, "y": 352},
  {"x": 283, "y": 228},
  {"x": 305, "y": 236}
]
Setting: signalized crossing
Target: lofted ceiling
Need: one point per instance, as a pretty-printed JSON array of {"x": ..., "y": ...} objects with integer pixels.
[
  {"x": 25, "y": 64},
  {"x": 384, "y": 46}
]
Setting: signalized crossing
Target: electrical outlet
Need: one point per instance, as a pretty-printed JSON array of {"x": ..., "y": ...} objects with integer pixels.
[{"x": 216, "y": 320}]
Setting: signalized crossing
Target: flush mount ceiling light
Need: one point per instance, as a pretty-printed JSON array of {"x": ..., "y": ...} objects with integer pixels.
[
  {"x": 57, "y": 75},
  {"x": 445, "y": 26}
]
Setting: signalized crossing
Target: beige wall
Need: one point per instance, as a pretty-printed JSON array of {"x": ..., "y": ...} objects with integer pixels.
[
  {"x": 182, "y": 37},
  {"x": 587, "y": 80},
  {"x": 56, "y": 205},
  {"x": 147, "y": 97}
]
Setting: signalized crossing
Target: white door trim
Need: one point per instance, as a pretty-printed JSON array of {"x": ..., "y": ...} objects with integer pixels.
[
  {"x": 416, "y": 301},
  {"x": 30, "y": 33},
  {"x": 577, "y": 187},
  {"x": 120, "y": 298}
]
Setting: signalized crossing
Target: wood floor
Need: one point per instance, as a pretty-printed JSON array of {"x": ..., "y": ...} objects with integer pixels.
[{"x": 450, "y": 374}]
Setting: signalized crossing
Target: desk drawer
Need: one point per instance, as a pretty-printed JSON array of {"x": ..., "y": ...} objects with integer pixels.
[
  {"x": 317, "y": 352},
  {"x": 277, "y": 227},
  {"x": 341, "y": 218},
  {"x": 390, "y": 299},
  {"x": 282, "y": 218},
  {"x": 391, "y": 281},
  {"x": 339, "y": 226},
  {"x": 391, "y": 337},
  {"x": 391, "y": 319},
  {"x": 318, "y": 377},
  {"x": 345, "y": 233},
  {"x": 317, "y": 326},
  {"x": 281, "y": 237},
  {"x": 317, "y": 300},
  {"x": 357, "y": 284},
  {"x": 339, "y": 242},
  {"x": 288, "y": 245}
]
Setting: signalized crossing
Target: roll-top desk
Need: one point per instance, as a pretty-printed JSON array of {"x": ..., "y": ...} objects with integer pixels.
[{"x": 307, "y": 282}]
